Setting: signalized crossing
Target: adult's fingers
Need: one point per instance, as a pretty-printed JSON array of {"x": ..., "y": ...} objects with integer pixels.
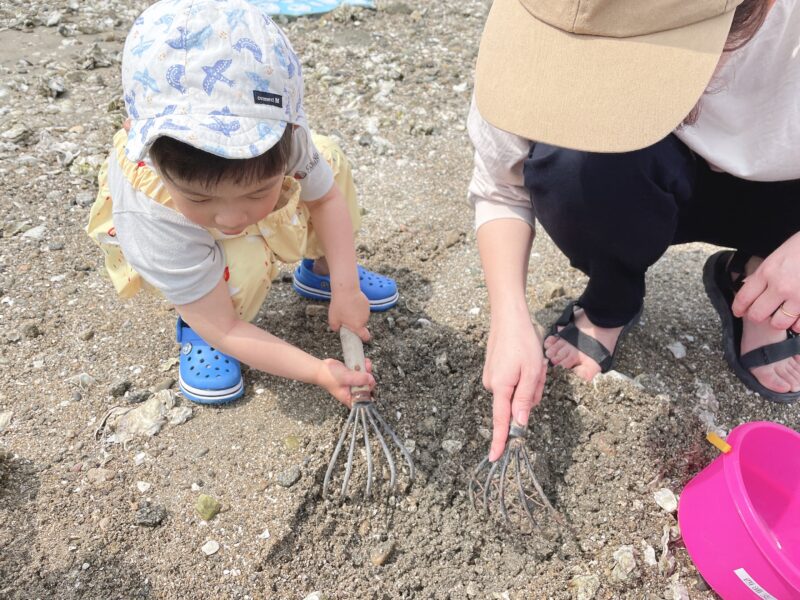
[
  {"x": 753, "y": 287},
  {"x": 501, "y": 417},
  {"x": 763, "y": 307},
  {"x": 786, "y": 316},
  {"x": 528, "y": 393}
]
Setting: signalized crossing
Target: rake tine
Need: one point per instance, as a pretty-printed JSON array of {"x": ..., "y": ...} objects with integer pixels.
[
  {"x": 502, "y": 494},
  {"x": 538, "y": 487},
  {"x": 368, "y": 450},
  {"x": 392, "y": 469},
  {"x": 489, "y": 479},
  {"x": 349, "y": 466},
  {"x": 403, "y": 450},
  {"x": 473, "y": 482},
  {"x": 523, "y": 497},
  {"x": 336, "y": 451}
]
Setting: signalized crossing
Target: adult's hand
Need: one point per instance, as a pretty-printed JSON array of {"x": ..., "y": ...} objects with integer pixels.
[
  {"x": 772, "y": 291},
  {"x": 515, "y": 371}
]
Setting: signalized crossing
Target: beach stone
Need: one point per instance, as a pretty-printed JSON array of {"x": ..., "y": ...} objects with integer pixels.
[
  {"x": 207, "y": 507},
  {"x": 289, "y": 477}
]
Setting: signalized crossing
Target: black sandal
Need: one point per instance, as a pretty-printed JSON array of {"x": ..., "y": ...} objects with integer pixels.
[
  {"x": 586, "y": 343},
  {"x": 721, "y": 287}
]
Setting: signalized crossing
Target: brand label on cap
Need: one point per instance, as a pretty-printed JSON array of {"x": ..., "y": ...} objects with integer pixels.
[
  {"x": 754, "y": 587},
  {"x": 268, "y": 98}
]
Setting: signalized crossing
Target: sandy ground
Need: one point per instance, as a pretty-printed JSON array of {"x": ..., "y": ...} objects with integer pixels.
[{"x": 393, "y": 86}]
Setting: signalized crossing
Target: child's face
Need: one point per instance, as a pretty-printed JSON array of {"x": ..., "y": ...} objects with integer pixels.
[{"x": 229, "y": 207}]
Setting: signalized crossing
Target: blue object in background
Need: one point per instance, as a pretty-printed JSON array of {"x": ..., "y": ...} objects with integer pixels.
[{"x": 296, "y": 8}]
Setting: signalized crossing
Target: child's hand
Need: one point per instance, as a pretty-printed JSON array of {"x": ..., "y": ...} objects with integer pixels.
[
  {"x": 335, "y": 377},
  {"x": 351, "y": 309}
]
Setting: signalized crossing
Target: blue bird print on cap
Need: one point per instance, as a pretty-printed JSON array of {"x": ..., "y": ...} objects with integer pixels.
[
  {"x": 259, "y": 83},
  {"x": 264, "y": 129},
  {"x": 130, "y": 100},
  {"x": 147, "y": 125},
  {"x": 215, "y": 74},
  {"x": 174, "y": 75},
  {"x": 285, "y": 63},
  {"x": 190, "y": 41},
  {"x": 248, "y": 44},
  {"x": 146, "y": 80},
  {"x": 166, "y": 21},
  {"x": 141, "y": 47},
  {"x": 221, "y": 126},
  {"x": 235, "y": 18}
]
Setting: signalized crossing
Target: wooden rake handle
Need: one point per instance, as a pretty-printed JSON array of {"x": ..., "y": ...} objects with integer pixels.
[{"x": 353, "y": 350}]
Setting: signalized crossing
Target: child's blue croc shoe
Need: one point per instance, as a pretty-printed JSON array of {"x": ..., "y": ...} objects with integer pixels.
[
  {"x": 380, "y": 291},
  {"x": 206, "y": 375}
]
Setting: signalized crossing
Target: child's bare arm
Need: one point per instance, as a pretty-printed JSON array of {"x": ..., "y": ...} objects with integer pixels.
[
  {"x": 331, "y": 219},
  {"x": 214, "y": 319}
]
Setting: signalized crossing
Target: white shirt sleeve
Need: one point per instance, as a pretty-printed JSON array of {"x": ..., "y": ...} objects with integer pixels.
[
  {"x": 179, "y": 258},
  {"x": 308, "y": 167},
  {"x": 497, "y": 189}
]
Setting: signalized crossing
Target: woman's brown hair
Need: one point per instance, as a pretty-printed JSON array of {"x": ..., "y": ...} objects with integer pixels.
[{"x": 748, "y": 18}]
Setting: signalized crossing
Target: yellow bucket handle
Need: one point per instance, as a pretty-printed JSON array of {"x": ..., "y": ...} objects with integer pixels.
[{"x": 718, "y": 442}]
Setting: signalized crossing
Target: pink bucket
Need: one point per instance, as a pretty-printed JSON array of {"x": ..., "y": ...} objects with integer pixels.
[{"x": 740, "y": 516}]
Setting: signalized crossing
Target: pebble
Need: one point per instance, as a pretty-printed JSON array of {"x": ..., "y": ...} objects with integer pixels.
[
  {"x": 452, "y": 446},
  {"x": 86, "y": 334},
  {"x": 164, "y": 384},
  {"x": 139, "y": 458},
  {"x": 55, "y": 246},
  {"x": 552, "y": 290},
  {"x": 210, "y": 547},
  {"x": 118, "y": 388},
  {"x": 316, "y": 310},
  {"x": 5, "y": 419},
  {"x": 179, "y": 415},
  {"x": 666, "y": 499},
  {"x": 207, "y": 507},
  {"x": 143, "y": 486},
  {"x": 485, "y": 433},
  {"x": 625, "y": 563},
  {"x": 201, "y": 452},
  {"x": 678, "y": 349},
  {"x": 381, "y": 554},
  {"x": 584, "y": 587},
  {"x": 35, "y": 233},
  {"x": 97, "y": 476},
  {"x": 140, "y": 396},
  {"x": 30, "y": 330},
  {"x": 452, "y": 238},
  {"x": 264, "y": 535},
  {"x": 650, "y": 556},
  {"x": 292, "y": 443},
  {"x": 82, "y": 380},
  {"x": 315, "y": 596},
  {"x": 289, "y": 477},
  {"x": 151, "y": 515}
]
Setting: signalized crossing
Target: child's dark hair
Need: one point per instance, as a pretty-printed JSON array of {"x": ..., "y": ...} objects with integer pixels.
[{"x": 177, "y": 160}]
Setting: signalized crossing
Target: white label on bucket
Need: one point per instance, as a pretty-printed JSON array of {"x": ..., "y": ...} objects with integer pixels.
[{"x": 750, "y": 582}]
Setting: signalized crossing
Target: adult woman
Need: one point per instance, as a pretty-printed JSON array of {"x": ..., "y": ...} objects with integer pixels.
[{"x": 625, "y": 127}]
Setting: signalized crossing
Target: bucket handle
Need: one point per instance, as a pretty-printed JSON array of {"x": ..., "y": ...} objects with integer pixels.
[{"x": 718, "y": 442}]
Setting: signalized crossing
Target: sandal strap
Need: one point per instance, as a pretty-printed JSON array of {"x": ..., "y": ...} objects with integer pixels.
[
  {"x": 736, "y": 264},
  {"x": 583, "y": 342},
  {"x": 771, "y": 353}
]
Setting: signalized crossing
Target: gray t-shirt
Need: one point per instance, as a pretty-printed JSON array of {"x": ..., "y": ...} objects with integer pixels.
[{"x": 180, "y": 258}]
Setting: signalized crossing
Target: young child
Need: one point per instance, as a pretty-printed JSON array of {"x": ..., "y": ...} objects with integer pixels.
[{"x": 217, "y": 178}]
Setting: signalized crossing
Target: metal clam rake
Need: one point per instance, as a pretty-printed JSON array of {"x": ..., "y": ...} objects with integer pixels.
[
  {"x": 509, "y": 485},
  {"x": 364, "y": 425}
]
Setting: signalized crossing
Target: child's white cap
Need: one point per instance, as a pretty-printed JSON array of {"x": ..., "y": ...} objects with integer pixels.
[{"x": 216, "y": 74}]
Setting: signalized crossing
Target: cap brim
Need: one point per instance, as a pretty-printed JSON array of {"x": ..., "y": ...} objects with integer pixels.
[
  {"x": 227, "y": 136},
  {"x": 591, "y": 93}
]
